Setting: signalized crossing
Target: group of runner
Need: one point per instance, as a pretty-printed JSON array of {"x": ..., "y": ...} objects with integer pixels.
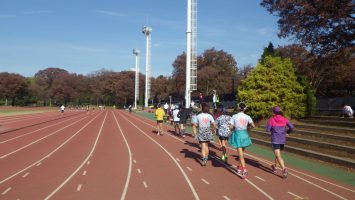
[{"x": 232, "y": 130}]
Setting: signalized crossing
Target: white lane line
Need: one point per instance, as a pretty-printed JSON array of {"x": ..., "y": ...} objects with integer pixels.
[
  {"x": 38, "y": 164},
  {"x": 79, "y": 187},
  {"x": 295, "y": 195},
  {"x": 34, "y": 142},
  {"x": 8, "y": 140},
  {"x": 88, "y": 162},
  {"x": 123, "y": 196},
  {"x": 81, "y": 165},
  {"x": 259, "y": 189},
  {"x": 25, "y": 175},
  {"x": 226, "y": 198},
  {"x": 260, "y": 178},
  {"x": 48, "y": 155},
  {"x": 177, "y": 159},
  {"x": 170, "y": 155},
  {"x": 205, "y": 181},
  {"x": 145, "y": 184},
  {"x": 139, "y": 171},
  {"x": 6, "y": 191},
  {"x": 84, "y": 173},
  {"x": 189, "y": 169}
]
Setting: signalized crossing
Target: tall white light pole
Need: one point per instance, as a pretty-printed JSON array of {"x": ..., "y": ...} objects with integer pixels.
[
  {"x": 147, "y": 32},
  {"x": 136, "y": 85},
  {"x": 191, "y": 51}
]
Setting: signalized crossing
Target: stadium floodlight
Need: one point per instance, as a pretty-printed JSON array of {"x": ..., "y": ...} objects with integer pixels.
[
  {"x": 147, "y": 32},
  {"x": 136, "y": 85}
]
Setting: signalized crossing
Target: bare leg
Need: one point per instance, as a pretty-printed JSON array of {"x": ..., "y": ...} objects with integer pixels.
[
  {"x": 241, "y": 157},
  {"x": 278, "y": 158}
]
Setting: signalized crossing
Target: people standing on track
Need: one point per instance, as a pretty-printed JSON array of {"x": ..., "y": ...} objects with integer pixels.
[
  {"x": 277, "y": 126},
  {"x": 62, "y": 108},
  {"x": 87, "y": 109},
  {"x": 130, "y": 108},
  {"x": 240, "y": 139},
  {"x": 183, "y": 115},
  {"x": 159, "y": 116},
  {"x": 176, "y": 119},
  {"x": 205, "y": 126},
  {"x": 223, "y": 131}
]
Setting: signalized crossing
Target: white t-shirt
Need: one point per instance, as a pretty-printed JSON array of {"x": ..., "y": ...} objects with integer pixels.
[
  {"x": 204, "y": 120},
  {"x": 348, "y": 110},
  {"x": 166, "y": 106},
  {"x": 62, "y": 108},
  {"x": 240, "y": 121},
  {"x": 175, "y": 117}
]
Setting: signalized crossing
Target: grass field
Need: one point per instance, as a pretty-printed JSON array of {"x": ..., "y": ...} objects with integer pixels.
[{"x": 20, "y": 112}]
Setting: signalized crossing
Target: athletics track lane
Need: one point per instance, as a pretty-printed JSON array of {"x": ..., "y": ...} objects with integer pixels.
[{"x": 297, "y": 185}]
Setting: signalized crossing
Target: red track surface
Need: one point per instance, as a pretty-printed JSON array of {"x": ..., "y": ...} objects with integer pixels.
[{"x": 116, "y": 155}]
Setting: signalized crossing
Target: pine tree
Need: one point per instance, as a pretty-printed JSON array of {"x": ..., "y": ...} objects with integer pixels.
[{"x": 272, "y": 83}]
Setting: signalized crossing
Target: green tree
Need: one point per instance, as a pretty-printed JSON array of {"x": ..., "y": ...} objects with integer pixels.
[
  {"x": 273, "y": 83},
  {"x": 268, "y": 51}
]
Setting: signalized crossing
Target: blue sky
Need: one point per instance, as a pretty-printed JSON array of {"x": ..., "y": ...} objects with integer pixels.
[{"x": 84, "y": 36}]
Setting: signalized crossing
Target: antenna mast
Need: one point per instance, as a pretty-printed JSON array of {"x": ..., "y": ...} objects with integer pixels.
[
  {"x": 191, "y": 51},
  {"x": 147, "y": 32}
]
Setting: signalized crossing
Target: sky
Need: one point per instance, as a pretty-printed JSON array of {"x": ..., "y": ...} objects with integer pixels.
[{"x": 84, "y": 36}]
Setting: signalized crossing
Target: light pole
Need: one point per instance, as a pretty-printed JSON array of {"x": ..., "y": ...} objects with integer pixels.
[
  {"x": 136, "y": 85},
  {"x": 147, "y": 32},
  {"x": 170, "y": 100}
]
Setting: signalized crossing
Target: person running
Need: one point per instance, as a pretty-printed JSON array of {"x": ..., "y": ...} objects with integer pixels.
[
  {"x": 176, "y": 119},
  {"x": 240, "y": 138},
  {"x": 277, "y": 126},
  {"x": 205, "y": 125},
  {"x": 62, "y": 108},
  {"x": 159, "y": 115},
  {"x": 183, "y": 115},
  {"x": 87, "y": 109},
  {"x": 223, "y": 131}
]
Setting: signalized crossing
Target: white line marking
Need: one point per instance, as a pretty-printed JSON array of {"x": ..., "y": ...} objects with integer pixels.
[
  {"x": 123, "y": 196},
  {"x": 19, "y": 149},
  {"x": 205, "y": 181},
  {"x": 25, "y": 175},
  {"x": 139, "y": 171},
  {"x": 38, "y": 164},
  {"x": 6, "y": 191},
  {"x": 177, "y": 159},
  {"x": 88, "y": 163},
  {"x": 84, "y": 173},
  {"x": 79, "y": 187},
  {"x": 189, "y": 169},
  {"x": 260, "y": 178},
  {"x": 8, "y": 140},
  {"x": 81, "y": 165},
  {"x": 226, "y": 198},
  {"x": 260, "y": 190},
  {"x": 47, "y": 156},
  {"x": 298, "y": 197},
  {"x": 145, "y": 184},
  {"x": 169, "y": 154}
]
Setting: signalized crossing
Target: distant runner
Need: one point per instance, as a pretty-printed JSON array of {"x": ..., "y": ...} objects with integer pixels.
[
  {"x": 159, "y": 115},
  {"x": 62, "y": 109}
]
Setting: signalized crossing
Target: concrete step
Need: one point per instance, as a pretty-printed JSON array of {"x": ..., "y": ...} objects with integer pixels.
[
  {"x": 324, "y": 128},
  {"x": 337, "y": 123},
  {"x": 333, "y": 118},
  {"x": 309, "y": 153}
]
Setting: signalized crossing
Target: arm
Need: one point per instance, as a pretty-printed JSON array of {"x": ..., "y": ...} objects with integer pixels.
[
  {"x": 268, "y": 126},
  {"x": 290, "y": 127}
]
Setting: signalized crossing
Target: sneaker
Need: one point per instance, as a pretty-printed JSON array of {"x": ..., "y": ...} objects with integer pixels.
[
  {"x": 223, "y": 158},
  {"x": 239, "y": 171},
  {"x": 273, "y": 169},
  {"x": 244, "y": 174},
  {"x": 204, "y": 161},
  {"x": 285, "y": 173}
]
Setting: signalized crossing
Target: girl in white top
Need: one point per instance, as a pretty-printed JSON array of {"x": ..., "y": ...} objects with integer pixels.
[
  {"x": 240, "y": 138},
  {"x": 205, "y": 123}
]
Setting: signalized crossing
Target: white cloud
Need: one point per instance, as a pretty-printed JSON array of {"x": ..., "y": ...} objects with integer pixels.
[
  {"x": 109, "y": 13},
  {"x": 35, "y": 12},
  {"x": 263, "y": 31}
]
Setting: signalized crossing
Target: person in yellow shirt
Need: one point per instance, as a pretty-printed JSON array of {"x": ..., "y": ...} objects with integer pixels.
[{"x": 159, "y": 115}]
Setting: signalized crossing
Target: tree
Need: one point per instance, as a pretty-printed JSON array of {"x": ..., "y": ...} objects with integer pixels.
[
  {"x": 12, "y": 86},
  {"x": 273, "y": 83},
  {"x": 323, "y": 26},
  {"x": 268, "y": 51}
]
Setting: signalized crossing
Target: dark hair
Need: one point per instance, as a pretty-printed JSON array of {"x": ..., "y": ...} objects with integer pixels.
[
  {"x": 205, "y": 108},
  {"x": 242, "y": 106}
]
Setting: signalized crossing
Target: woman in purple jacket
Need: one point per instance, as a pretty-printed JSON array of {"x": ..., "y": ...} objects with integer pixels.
[{"x": 277, "y": 126}]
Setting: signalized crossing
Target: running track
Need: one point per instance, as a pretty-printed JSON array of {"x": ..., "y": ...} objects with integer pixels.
[{"x": 115, "y": 155}]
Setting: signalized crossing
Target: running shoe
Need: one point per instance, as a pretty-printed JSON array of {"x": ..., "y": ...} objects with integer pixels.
[
  {"x": 239, "y": 171},
  {"x": 204, "y": 161},
  {"x": 285, "y": 173},
  {"x": 223, "y": 158},
  {"x": 273, "y": 169},
  {"x": 244, "y": 174}
]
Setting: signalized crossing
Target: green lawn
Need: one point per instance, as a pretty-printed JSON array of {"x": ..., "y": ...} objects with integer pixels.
[
  {"x": 20, "y": 112},
  {"x": 297, "y": 161}
]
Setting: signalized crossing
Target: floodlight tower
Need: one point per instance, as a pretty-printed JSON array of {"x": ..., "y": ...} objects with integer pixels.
[
  {"x": 136, "y": 85},
  {"x": 191, "y": 51},
  {"x": 147, "y": 32}
]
